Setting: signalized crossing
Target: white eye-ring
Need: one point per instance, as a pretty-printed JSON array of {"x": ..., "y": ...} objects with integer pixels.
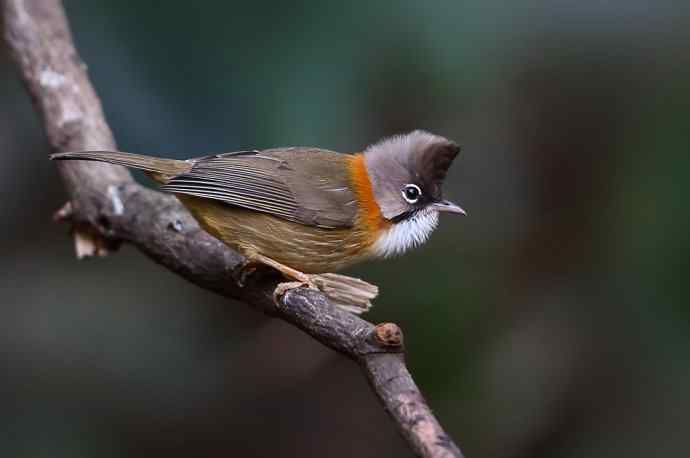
[{"x": 411, "y": 193}]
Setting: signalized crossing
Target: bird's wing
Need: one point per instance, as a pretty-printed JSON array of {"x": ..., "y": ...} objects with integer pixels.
[{"x": 305, "y": 185}]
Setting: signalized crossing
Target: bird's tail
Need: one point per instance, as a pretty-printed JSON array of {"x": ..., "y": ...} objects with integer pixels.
[{"x": 158, "y": 168}]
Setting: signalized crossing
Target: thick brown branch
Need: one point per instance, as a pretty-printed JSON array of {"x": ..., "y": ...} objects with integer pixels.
[{"x": 109, "y": 207}]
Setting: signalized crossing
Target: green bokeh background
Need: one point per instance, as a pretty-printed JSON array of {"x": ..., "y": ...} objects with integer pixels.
[{"x": 551, "y": 322}]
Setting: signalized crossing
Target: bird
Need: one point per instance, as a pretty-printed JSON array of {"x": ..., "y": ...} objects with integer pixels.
[{"x": 309, "y": 212}]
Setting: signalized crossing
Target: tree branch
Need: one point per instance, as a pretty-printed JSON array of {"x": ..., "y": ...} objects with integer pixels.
[{"x": 108, "y": 207}]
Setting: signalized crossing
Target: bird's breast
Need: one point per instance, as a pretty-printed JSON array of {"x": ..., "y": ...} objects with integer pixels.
[{"x": 309, "y": 249}]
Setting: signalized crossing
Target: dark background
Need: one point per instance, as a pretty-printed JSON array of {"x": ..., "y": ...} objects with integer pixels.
[{"x": 553, "y": 321}]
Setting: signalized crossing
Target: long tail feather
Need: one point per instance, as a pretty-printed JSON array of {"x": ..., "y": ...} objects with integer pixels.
[{"x": 159, "y": 168}]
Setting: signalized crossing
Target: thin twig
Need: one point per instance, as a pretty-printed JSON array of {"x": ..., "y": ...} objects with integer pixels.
[{"x": 107, "y": 207}]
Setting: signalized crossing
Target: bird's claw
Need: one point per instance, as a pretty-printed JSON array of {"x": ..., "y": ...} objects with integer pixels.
[
  {"x": 347, "y": 293},
  {"x": 284, "y": 287},
  {"x": 243, "y": 271}
]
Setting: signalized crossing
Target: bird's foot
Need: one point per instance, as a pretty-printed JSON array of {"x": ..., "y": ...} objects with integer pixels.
[
  {"x": 351, "y": 294},
  {"x": 348, "y": 293},
  {"x": 284, "y": 287}
]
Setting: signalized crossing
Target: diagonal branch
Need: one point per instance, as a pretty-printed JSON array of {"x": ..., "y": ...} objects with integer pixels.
[{"x": 107, "y": 207}]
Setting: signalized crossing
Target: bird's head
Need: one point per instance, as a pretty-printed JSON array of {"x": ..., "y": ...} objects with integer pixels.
[{"x": 407, "y": 174}]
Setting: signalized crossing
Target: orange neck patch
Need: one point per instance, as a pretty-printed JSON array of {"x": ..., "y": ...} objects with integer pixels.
[{"x": 369, "y": 215}]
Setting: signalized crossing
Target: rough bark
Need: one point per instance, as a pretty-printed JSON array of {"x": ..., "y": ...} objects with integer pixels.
[{"x": 106, "y": 207}]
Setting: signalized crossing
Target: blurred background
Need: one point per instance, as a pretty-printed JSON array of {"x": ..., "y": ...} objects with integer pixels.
[{"x": 553, "y": 321}]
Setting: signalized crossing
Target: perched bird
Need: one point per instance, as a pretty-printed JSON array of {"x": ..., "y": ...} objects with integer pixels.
[{"x": 307, "y": 210}]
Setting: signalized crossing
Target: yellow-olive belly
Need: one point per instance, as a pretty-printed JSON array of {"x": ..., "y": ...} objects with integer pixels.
[{"x": 306, "y": 248}]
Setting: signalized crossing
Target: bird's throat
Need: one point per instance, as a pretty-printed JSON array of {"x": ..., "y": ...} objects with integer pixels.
[{"x": 406, "y": 234}]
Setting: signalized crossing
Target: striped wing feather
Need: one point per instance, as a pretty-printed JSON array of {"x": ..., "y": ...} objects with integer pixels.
[{"x": 304, "y": 185}]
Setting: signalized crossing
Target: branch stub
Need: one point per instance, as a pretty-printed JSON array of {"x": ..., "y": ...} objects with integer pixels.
[{"x": 388, "y": 335}]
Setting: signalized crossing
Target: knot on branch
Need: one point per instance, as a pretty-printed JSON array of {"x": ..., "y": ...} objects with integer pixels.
[
  {"x": 388, "y": 335},
  {"x": 64, "y": 214},
  {"x": 380, "y": 339},
  {"x": 90, "y": 242},
  {"x": 91, "y": 224}
]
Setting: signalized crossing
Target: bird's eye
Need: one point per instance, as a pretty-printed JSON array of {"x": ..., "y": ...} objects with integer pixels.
[{"x": 411, "y": 193}]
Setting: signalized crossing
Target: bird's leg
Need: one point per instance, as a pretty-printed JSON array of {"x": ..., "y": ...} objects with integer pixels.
[
  {"x": 301, "y": 278},
  {"x": 289, "y": 272},
  {"x": 254, "y": 261},
  {"x": 351, "y": 294}
]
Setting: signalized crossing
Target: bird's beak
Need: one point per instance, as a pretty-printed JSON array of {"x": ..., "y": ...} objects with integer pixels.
[{"x": 447, "y": 206}]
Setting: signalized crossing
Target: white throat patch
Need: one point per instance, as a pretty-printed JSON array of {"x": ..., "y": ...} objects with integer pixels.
[{"x": 406, "y": 234}]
